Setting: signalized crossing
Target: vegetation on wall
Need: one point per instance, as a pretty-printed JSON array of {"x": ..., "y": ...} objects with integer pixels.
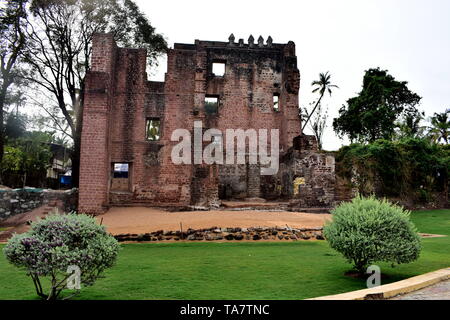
[{"x": 412, "y": 168}]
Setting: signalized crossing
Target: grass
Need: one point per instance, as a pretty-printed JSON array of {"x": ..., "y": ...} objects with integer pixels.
[{"x": 290, "y": 270}]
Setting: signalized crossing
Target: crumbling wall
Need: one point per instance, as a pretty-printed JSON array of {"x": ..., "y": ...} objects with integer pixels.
[
  {"x": 16, "y": 201},
  {"x": 119, "y": 100},
  {"x": 311, "y": 179}
]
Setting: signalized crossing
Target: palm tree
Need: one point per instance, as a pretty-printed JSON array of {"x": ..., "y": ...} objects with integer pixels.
[
  {"x": 410, "y": 126},
  {"x": 322, "y": 85},
  {"x": 440, "y": 126}
]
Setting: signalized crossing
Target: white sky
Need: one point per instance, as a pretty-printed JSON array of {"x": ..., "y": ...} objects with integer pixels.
[{"x": 410, "y": 38}]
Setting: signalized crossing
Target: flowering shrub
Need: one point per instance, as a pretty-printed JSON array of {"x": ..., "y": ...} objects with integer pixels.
[
  {"x": 368, "y": 230},
  {"x": 58, "y": 242}
]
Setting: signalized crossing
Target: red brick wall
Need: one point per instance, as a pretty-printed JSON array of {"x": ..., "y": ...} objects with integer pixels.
[
  {"x": 119, "y": 99},
  {"x": 95, "y": 160}
]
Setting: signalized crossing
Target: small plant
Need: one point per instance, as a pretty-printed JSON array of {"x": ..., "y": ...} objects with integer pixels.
[
  {"x": 58, "y": 244},
  {"x": 368, "y": 230}
]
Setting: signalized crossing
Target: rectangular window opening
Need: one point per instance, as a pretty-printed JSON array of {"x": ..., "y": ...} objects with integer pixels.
[
  {"x": 120, "y": 170},
  {"x": 153, "y": 129},
  {"x": 211, "y": 105},
  {"x": 276, "y": 102},
  {"x": 218, "y": 69}
]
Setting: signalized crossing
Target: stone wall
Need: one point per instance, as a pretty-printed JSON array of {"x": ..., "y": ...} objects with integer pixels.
[
  {"x": 308, "y": 179},
  {"x": 13, "y": 202},
  {"x": 229, "y": 234}
]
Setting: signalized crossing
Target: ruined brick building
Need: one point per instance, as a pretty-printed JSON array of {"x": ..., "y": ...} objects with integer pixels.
[{"x": 128, "y": 122}]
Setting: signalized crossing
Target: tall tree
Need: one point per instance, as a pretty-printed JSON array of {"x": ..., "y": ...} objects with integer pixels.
[
  {"x": 12, "y": 42},
  {"x": 321, "y": 86},
  {"x": 60, "y": 42},
  {"x": 373, "y": 113},
  {"x": 440, "y": 126}
]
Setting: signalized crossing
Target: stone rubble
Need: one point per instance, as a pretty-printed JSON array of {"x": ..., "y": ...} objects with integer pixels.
[{"x": 229, "y": 234}]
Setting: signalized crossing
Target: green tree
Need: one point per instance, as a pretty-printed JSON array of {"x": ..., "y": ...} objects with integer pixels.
[
  {"x": 373, "y": 113},
  {"x": 410, "y": 126},
  {"x": 440, "y": 126},
  {"x": 321, "y": 86},
  {"x": 59, "y": 49},
  {"x": 12, "y": 43},
  {"x": 27, "y": 155},
  {"x": 15, "y": 126}
]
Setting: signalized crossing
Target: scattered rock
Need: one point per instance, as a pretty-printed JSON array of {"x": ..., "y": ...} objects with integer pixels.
[
  {"x": 239, "y": 237},
  {"x": 229, "y": 237},
  {"x": 216, "y": 234},
  {"x": 256, "y": 237},
  {"x": 191, "y": 237}
]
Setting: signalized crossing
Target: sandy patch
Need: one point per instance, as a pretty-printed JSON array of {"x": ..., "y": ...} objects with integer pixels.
[{"x": 142, "y": 220}]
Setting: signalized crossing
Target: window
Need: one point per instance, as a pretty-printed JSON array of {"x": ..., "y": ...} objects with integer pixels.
[
  {"x": 153, "y": 129},
  {"x": 120, "y": 170},
  {"x": 211, "y": 105},
  {"x": 218, "y": 69},
  {"x": 276, "y": 102}
]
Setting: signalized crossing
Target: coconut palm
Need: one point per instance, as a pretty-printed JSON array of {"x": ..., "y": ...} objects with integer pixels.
[
  {"x": 440, "y": 126},
  {"x": 321, "y": 86},
  {"x": 411, "y": 125}
]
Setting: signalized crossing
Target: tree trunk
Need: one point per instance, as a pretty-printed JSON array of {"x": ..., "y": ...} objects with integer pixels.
[
  {"x": 76, "y": 153},
  {"x": 75, "y": 157},
  {"x": 2, "y": 127},
  {"x": 312, "y": 112}
]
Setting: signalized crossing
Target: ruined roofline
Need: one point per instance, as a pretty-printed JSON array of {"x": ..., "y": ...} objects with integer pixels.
[
  {"x": 219, "y": 44},
  {"x": 251, "y": 44}
]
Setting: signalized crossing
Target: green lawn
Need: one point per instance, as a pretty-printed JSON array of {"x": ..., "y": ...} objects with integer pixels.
[{"x": 291, "y": 270}]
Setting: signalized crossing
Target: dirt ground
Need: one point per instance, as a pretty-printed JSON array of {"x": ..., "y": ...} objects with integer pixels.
[{"x": 142, "y": 220}]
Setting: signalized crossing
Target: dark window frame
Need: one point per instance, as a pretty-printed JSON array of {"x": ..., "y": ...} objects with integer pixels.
[
  {"x": 217, "y": 103},
  {"x": 118, "y": 174}
]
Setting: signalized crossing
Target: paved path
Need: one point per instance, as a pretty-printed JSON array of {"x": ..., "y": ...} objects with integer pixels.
[{"x": 440, "y": 291}]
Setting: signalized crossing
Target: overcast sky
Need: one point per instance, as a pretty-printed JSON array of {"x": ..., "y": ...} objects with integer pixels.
[{"x": 410, "y": 38}]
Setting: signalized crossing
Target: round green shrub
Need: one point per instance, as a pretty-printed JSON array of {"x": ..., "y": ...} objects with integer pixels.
[
  {"x": 54, "y": 244},
  {"x": 369, "y": 230}
]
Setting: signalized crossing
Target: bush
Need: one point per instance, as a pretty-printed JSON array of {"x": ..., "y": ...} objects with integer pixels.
[
  {"x": 58, "y": 242},
  {"x": 368, "y": 230}
]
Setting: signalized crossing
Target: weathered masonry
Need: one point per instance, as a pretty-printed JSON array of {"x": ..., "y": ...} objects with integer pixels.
[{"x": 128, "y": 123}]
